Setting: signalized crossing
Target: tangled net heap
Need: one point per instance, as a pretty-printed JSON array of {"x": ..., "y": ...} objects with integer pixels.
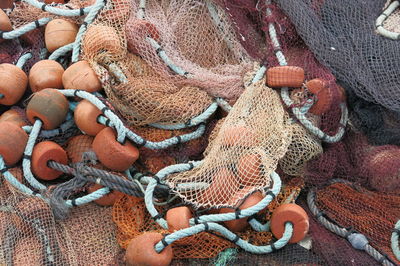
[{"x": 186, "y": 128}]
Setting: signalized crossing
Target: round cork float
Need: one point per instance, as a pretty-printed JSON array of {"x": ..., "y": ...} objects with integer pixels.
[
  {"x": 80, "y": 76},
  {"x": 86, "y": 115},
  {"x": 42, "y": 154},
  {"x": 221, "y": 190},
  {"x": 323, "y": 94},
  {"x": 46, "y": 74},
  {"x": 59, "y": 32},
  {"x": 141, "y": 251},
  {"x": 5, "y": 23},
  {"x": 239, "y": 225},
  {"x": 178, "y": 218},
  {"x": 294, "y": 214},
  {"x": 13, "y": 140},
  {"x": 111, "y": 153},
  {"x": 102, "y": 41},
  {"x": 249, "y": 169},
  {"x": 13, "y": 83},
  {"x": 238, "y": 136},
  {"x": 15, "y": 117},
  {"x": 48, "y": 105}
]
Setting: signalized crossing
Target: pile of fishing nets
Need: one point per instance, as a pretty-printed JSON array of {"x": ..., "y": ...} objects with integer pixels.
[{"x": 157, "y": 132}]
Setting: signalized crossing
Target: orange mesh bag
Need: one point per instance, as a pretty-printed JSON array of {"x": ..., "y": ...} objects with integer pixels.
[
  {"x": 369, "y": 213},
  {"x": 252, "y": 139}
]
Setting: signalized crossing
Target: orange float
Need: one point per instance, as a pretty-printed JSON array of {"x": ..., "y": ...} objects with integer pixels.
[
  {"x": 238, "y": 136},
  {"x": 239, "y": 225},
  {"x": 141, "y": 251},
  {"x": 48, "y": 105},
  {"x": 101, "y": 39},
  {"x": 13, "y": 83},
  {"x": 111, "y": 153},
  {"x": 85, "y": 116},
  {"x": 42, "y": 154},
  {"x": 13, "y": 140},
  {"x": 178, "y": 218},
  {"x": 249, "y": 169},
  {"x": 5, "y": 23},
  {"x": 46, "y": 74},
  {"x": 294, "y": 214},
  {"x": 58, "y": 33},
  {"x": 285, "y": 76},
  {"x": 323, "y": 93},
  {"x": 13, "y": 116},
  {"x": 221, "y": 190},
  {"x": 80, "y": 76}
]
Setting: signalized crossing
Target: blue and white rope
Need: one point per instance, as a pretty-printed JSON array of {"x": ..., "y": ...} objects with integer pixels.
[{"x": 299, "y": 114}]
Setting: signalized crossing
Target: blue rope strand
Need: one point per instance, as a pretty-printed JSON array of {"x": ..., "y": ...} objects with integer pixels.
[
  {"x": 13, "y": 181},
  {"x": 26, "y": 162},
  {"x": 395, "y": 240},
  {"x": 95, "y": 195},
  {"x": 23, "y": 59},
  {"x": 24, "y": 29},
  {"x": 61, "y": 51},
  {"x": 245, "y": 212},
  {"x": 203, "y": 117},
  {"x": 59, "y": 11},
  {"x": 88, "y": 20},
  {"x": 148, "y": 196},
  {"x": 169, "y": 239}
]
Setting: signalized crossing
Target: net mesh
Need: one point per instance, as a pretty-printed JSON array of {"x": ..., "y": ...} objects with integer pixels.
[
  {"x": 32, "y": 236},
  {"x": 248, "y": 145},
  {"x": 168, "y": 67},
  {"x": 342, "y": 36},
  {"x": 132, "y": 219},
  {"x": 370, "y": 213}
]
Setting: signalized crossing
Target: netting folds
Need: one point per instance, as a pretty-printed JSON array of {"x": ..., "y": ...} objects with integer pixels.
[
  {"x": 141, "y": 131},
  {"x": 342, "y": 36},
  {"x": 246, "y": 150}
]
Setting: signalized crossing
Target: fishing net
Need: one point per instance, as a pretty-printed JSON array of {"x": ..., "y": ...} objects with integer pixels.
[
  {"x": 343, "y": 37},
  {"x": 367, "y": 212},
  {"x": 132, "y": 219},
  {"x": 332, "y": 249},
  {"x": 249, "y": 144},
  {"x": 32, "y": 236},
  {"x": 144, "y": 85}
]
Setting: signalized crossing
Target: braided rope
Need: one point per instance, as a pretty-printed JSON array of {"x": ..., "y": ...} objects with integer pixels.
[
  {"x": 23, "y": 59},
  {"x": 61, "y": 51},
  {"x": 8, "y": 35},
  {"x": 169, "y": 239},
  {"x": 357, "y": 240},
  {"x": 395, "y": 240},
  {"x": 277, "y": 184},
  {"x": 96, "y": 8},
  {"x": 59, "y": 11},
  {"x": 381, "y": 19},
  {"x": 300, "y": 114}
]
